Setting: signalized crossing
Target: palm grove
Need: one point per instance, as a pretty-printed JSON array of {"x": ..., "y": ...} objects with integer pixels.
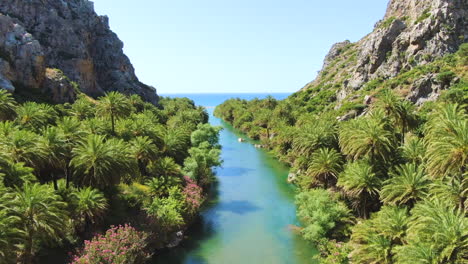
[
  {"x": 69, "y": 171},
  {"x": 387, "y": 184}
]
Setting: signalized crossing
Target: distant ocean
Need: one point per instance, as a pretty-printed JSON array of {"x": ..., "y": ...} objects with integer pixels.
[{"x": 212, "y": 100}]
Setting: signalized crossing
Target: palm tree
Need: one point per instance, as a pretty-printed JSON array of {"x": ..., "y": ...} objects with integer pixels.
[
  {"x": 34, "y": 116},
  {"x": 83, "y": 108},
  {"x": 402, "y": 112},
  {"x": 90, "y": 206},
  {"x": 314, "y": 135},
  {"x": 54, "y": 145},
  {"x": 72, "y": 132},
  {"x": 416, "y": 252},
  {"x": 176, "y": 143},
  {"x": 374, "y": 240},
  {"x": 443, "y": 227},
  {"x": 7, "y": 105},
  {"x": 447, "y": 141},
  {"x": 144, "y": 151},
  {"x": 6, "y": 129},
  {"x": 408, "y": 184},
  {"x": 165, "y": 166},
  {"x": 101, "y": 163},
  {"x": 42, "y": 215},
  {"x": 414, "y": 149},
  {"x": 325, "y": 166},
  {"x": 361, "y": 183},
  {"x": 15, "y": 173},
  {"x": 114, "y": 105},
  {"x": 454, "y": 189},
  {"x": 367, "y": 137},
  {"x": 10, "y": 234},
  {"x": 24, "y": 146}
]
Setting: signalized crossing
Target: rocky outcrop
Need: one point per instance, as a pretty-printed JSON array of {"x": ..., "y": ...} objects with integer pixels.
[
  {"x": 412, "y": 33},
  {"x": 66, "y": 35}
]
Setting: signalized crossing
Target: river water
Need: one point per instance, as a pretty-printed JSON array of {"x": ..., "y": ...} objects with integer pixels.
[{"x": 249, "y": 218}]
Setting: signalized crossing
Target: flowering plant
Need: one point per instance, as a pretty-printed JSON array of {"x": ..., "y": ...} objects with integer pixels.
[
  {"x": 193, "y": 194},
  {"x": 119, "y": 245}
]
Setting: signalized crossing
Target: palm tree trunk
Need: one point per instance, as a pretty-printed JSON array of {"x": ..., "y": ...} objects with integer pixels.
[
  {"x": 113, "y": 124},
  {"x": 67, "y": 175},
  {"x": 54, "y": 179},
  {"x": 28, "y": 247}
]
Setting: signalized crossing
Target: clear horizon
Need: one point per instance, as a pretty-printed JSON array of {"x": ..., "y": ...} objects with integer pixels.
[{"x": 245, "y": 46}]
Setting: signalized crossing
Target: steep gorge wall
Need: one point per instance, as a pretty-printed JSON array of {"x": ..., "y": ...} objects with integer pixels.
[
  {"x": 46, "y": 44},
  {"x": 412, "y": 33}
]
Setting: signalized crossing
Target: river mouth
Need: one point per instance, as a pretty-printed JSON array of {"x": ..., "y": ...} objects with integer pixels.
[{"x": 250, "y": 215}]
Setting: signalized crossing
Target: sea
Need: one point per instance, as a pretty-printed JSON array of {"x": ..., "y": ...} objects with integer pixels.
[{"x": 211, "y": 100}]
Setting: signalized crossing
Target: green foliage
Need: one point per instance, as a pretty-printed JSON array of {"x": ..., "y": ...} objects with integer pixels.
[
  {"x": 426, "y": 14},
  {"x": 7, "y": 106},
  {"x": 387, "y": 22},
  {"x": 67, "y": 171},
  {"x": 119, "y": 245},
  {"x": 408, "y": 184},
  {"x": 405, "y": 164},
  {"x": 321, "y": 214}
]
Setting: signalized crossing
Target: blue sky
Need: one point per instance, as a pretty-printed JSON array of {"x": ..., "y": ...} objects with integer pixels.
[{"x": 215, "y": 46}]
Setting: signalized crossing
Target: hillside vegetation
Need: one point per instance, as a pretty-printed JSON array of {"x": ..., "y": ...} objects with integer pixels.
[
  {"x": 381, "y": 179},
  {"x": 70, "y": 171}
]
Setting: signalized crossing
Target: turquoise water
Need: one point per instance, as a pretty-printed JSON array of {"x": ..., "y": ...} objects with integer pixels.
[{"x": 250, "y": 216}]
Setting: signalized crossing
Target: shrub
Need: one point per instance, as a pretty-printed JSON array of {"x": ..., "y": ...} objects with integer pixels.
[
  {"x": 445, "y": 77},
  {"x": 193, "y": 194},
  {"x": 321, "y": 214},
  {"x": 119, "y": 245}
]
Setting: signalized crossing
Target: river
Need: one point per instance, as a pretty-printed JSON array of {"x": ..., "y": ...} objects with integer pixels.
[{"x": 249, "y": 217}]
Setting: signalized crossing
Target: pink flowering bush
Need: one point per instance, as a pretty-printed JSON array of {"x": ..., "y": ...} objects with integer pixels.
[
  {"x": 193, "y": 194},
  {"x": 119, "y": 245}
]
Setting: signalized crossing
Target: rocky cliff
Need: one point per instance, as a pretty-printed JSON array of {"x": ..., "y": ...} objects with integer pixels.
[
  {"x": 412, "y": 33},
  {"x": 58, "y": 46}
]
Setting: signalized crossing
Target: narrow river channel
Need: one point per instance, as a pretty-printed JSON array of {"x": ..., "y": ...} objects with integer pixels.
[{"x": 250, "y": 215}]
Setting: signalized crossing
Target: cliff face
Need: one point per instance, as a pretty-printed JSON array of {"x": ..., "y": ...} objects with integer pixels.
[
  {"x": 37, "y": 37},
  {"x": 412, "y": 33}
]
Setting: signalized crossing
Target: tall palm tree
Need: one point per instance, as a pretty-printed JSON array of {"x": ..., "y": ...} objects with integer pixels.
[
  {"x": 360, "y": 182},
  {"x": 176, "y": 143},
  {"x": 165, "y": 166},
  {"x": 453, "y": 189},
  {"x": 24, "y": 146},
  {"x": 7, "y": 105},
  {"x": 325, "y": 166},
  {"x": 416, "y": 252},
  {"x": 6, "y": 129},
  {"x": 15, "y": 173},
  {"x": 375, "y": 240},
  {"x": 54, "y": 145},
  {"x": 10, "y": 235},
  {"x": 114, "y": 105},
  {"x": 34, "y": 116},
  {"x": 101, "y": 163},
  {"x": 144, "y": 151},
  {"x": 414, "y": 149},
  {"x": 90, "y": 206},
  {"x": 72, "y": 132},
  {"x": 367, "y": 137},
  {"x": 447, "y": 141},
  {"x": 443, "y": 227},
  {"x": 83, "y": 108},
  {"x": 314, "y": 135},
  {"x": 42, "y": 215},
  {"x": 407, "y": 184},
  {"x": 402, "y": 112}
]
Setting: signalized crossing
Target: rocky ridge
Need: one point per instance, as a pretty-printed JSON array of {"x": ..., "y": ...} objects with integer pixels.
[
  {"x": 58, "y": 46},
  {"x": 412, "y": 33}
]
